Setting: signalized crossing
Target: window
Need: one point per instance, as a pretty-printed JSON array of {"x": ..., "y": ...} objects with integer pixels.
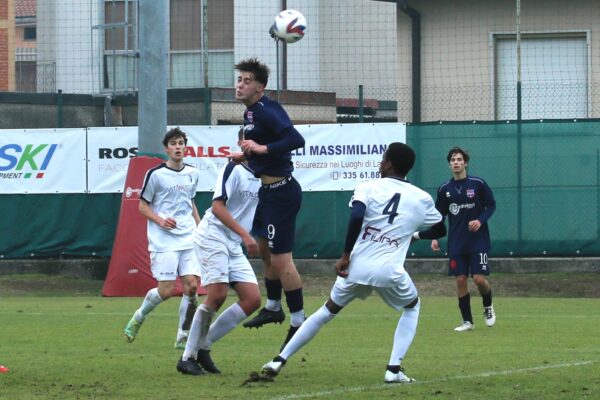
[
  {"x": 29, "y": 33},
  {"x": 554, "y": 76},
  {"x": 186, "y": 38}
]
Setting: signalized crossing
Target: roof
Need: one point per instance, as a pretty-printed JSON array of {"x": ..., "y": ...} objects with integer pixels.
[{"x": 25, "y": 8}]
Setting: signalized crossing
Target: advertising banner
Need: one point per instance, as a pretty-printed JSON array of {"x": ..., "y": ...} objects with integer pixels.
[
  {"x": 335, "y": 156},
  {"x": 43, "y": 161}
]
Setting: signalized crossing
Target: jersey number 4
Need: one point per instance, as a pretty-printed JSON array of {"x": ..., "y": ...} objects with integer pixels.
[{"x": 391, "y": 208}]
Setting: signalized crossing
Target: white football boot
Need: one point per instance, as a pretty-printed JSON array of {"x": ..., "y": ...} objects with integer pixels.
[
  {"x": 273, "y": 367},
  {"x": 489, "y": 315},
  {"x": 391, "y": 377},
  {"x": 465, "y": 326}
]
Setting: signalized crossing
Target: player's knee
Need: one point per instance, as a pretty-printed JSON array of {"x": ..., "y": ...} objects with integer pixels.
[
  {"x": 415, "y": 304},
  {"x": 479, "y": 280},
  {"x": 332, "y": 307},
  {"x": 461, "y": 280}
]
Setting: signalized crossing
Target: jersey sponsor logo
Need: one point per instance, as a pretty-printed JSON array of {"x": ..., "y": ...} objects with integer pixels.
[
  {"x": 248, "y": 194},
  {"x": 455, "y": 208},
  {"x": 181, "y": 188},
  {"x": 372, "y": 234},
  {"x": 470, "y": 193},
  {"x": 28, "y": 162}
]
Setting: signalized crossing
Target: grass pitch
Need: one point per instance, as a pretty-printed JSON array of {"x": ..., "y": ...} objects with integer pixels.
[{"x": 73, "y": 348}]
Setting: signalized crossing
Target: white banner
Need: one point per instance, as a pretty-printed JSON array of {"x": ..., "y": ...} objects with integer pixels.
[
  {"x": 109, "y": 151},
  {"x": 335, "y": 157},
  {"x": 42, "y": 161}
]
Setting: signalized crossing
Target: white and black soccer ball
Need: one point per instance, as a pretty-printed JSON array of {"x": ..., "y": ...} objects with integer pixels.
[{"x": 289, "y": 26}]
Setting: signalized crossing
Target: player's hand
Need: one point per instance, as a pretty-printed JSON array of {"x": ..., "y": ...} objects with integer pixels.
[
  {"x": 168, "y": 223},
  {"x": 435, "y": 245},
  {"x": 237, "y": 157},
  {"x": 250, "y": 146},
  {"x": 341, "y": 266},
  {"x": 250, "y": 244},
  {"x": 474, "y": 225}
]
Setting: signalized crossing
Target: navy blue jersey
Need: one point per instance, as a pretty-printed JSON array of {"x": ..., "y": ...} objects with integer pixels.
[
  {"x": 462, "y": 201},
  {"x": 267, "y": 123}
]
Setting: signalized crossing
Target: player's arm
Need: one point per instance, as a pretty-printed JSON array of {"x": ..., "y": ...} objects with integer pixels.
[
  {"x": 222, "y": 213},
  {"x": 435, "y": 232},
  {"x": 195, "y": 213},
  {"x": 146, "y": 211},
  {"x": 489, "y": 206},
  {"x": 290, "y": 140},
  {"x": 354, "y": 225}
]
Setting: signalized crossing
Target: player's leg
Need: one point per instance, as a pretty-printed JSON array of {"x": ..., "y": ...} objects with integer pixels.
[
  {"x": 341, "y": 295},
  {"x": 243, "y": 281},
  {"x": 281, "y": 227},
  {"x": 189, "y": 271},
  {"x": 272, "y": 311},
  {"x": 292, "y": 288},
  {"x": 480, "y": 270},
  {"x": 164, "y": 270},
  {"x": 213, "y": 259},
  {"x": 403, "y": 297},
  {"x": 187, "y": 309},
  {"x": 459, "y": 268}
]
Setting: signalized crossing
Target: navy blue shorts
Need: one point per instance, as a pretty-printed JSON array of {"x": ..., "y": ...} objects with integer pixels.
[
  {"x": 275, "y": 217},
  {"x": 469, "y": 264}
]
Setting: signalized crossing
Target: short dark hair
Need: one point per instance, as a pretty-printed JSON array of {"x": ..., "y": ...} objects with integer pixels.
[
  {"x": 456, "y": 150},
  {"x": 402, "y": 157},
  {"x": 173, "y": 134},
  {"x": 259, "y": 71}
]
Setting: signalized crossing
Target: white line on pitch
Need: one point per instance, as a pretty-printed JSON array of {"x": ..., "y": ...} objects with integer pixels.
[{"x": 451, "y": 378}]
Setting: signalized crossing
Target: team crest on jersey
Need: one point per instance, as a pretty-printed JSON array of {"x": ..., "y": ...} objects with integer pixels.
[
  {"x": 470, "y": 193},
  {"x": 250, "y": 116}
]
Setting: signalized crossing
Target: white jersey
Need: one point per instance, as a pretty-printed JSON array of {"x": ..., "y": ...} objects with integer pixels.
[
  {"x": 171, "y": 194},
  {"x": 395, "y": 209},
  {"x": 238, "y": 187}
]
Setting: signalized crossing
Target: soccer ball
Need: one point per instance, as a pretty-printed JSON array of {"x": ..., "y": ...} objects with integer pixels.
[{"x": 289, "y": 26}]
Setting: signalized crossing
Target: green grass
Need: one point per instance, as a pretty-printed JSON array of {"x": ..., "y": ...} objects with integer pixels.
[{"x": 73, "y": 348}]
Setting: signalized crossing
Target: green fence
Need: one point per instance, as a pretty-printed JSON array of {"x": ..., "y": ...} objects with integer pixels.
[{"x": 545, "y": 176}]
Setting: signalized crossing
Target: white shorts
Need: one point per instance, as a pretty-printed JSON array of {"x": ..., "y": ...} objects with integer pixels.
[
  {"x": 397, "y": 297},
  {"x": 219, "y": 265},
  {"x": 167, "y": 265}
]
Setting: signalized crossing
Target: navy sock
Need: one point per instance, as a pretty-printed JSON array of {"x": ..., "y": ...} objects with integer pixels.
[
  {"x": 273, "y": 287},
  {"x": 464, "y": 303},
  {"x": 487, "y": 299},
  {"x": 295, "y": 300}
]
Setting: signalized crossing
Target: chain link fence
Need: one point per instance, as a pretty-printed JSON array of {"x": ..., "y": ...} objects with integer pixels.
[{"x": 410, "y": 61}]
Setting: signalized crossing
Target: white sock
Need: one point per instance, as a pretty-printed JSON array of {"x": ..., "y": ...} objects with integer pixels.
[
  {"x": 273, "y": 305},
  {"x": 225, "y": 322},
  {"x": 150, "y": 302},
  {"x": 297, "y": 318},
  {"x": 183, "y": 306},
  {"x": 198, "y": 331},
  {"x": 405, "y": 333},
  {"x": 307, "y": 331}
]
